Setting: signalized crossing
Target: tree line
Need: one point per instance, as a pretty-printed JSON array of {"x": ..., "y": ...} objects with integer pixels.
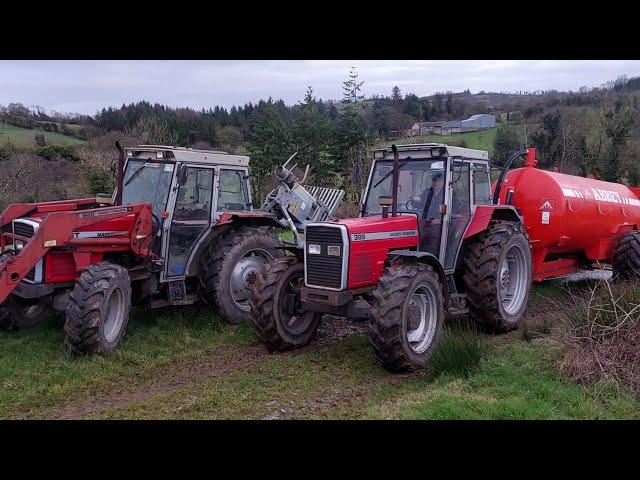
[{"x": 592, "y": 131}]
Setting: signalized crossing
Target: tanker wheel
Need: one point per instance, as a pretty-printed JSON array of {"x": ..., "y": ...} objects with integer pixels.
[
  {"x": 626, "y": 256},
  {"x": 231, "y": 266},
  {"x": 498, "y": 276},
  {"x": 276, "y": 311},
  {"x": 98, "y": 309},
  {"x": 407, "y": 314},
  {"x": 19, "y": 314}
]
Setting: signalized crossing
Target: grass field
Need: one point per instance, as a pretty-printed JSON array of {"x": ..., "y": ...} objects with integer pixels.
[
  {"x": 185, "y": 363},
  {"x": 478, "y": 140},
  {"x": 26, "y": 138}
]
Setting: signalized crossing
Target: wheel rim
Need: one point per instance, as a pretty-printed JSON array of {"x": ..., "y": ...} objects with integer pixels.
[
  {"x": 114, "y": 315},
  {"x": 244, "y": 274},
  {"x": 293, "y": 318},
  {"x": 421, "y": 314},
  {"x": 513, "y": 279}
]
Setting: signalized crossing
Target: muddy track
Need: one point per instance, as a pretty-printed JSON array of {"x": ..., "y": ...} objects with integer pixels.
[
  {"x": 219, "y": 363},
  {"x": 157, "y": 381},
  {"x": 180, "y": 374}
]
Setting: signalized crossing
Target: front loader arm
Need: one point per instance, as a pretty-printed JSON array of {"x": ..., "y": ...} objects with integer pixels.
[{"x": 56, "y": 231}]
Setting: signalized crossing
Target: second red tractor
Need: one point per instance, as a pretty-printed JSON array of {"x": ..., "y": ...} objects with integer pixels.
[{"x": 429, "y": 240}]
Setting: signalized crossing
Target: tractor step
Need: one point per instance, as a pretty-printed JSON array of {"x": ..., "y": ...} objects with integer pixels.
[
  {"x": 177, "y": 291},
  {"x": 163, "y": 302}
]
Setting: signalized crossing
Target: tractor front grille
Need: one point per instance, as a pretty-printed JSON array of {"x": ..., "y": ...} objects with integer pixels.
[
  {"x": 26, "y": 230},
  {"x": 23, "y": 229},
  {"x": 323, "y": 270}
]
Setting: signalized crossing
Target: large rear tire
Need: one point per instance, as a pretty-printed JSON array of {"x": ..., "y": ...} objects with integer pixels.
[
  {"x": 276, "y": 312},
  {"x": 231, "y": 266},
  {"x": 98, "y": 309},
  {"x": 407, "y": 315},
  {"x": 498, "y": 276},
  {"x": 20, "y": 314},
  {"x": 626, "y": 256}
]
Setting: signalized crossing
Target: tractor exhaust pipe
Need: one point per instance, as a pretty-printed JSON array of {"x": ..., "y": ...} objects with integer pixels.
[
  {"x": 120, "y": 173},
  {"x": 394, "y": 187}
]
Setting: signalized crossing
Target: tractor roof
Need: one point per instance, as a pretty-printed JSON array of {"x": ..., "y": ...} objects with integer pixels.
[
  {"x": 428, "y": 150},
  {"x": 182, "y": 154}
]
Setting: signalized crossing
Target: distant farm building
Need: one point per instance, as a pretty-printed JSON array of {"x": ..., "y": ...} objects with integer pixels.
[
  {"x": 423, "y": 128},
  {"x": 474, "y": 123}
]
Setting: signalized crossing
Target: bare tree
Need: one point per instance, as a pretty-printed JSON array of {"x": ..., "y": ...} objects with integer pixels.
[
  {"x": 17, "y": 177},
  {"x": 154, "y": 131}
]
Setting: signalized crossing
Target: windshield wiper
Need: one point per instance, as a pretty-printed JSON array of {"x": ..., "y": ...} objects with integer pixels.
[
  {"x": 391, "y": 172},
  {"x": 137, "y": 172}
]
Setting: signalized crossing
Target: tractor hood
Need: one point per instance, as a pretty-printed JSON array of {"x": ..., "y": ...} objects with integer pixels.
[
  {"x": 378, "y": 228},
  {"x": 351, "y": 253}
]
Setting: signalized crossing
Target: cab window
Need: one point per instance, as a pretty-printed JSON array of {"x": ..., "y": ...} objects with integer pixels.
[
  {"x": 232, "y": 192},
  {"x": 481, "y": 185},
  {"x": 194, "y": 197}
]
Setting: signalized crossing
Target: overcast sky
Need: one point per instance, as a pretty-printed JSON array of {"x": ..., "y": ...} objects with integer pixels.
[{"x": 88, "y": 86}]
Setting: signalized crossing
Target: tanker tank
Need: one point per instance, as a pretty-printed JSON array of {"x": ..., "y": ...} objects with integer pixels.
[{"x": 572, "y": 222}]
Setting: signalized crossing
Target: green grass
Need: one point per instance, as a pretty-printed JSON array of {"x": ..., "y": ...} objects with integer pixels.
[
  {"x": 516, "y": 381},
  {"x": 477, "y": 140},
  {"x": 36, "y": 371},
  {"x": 471, "y": 376},
  {"x": 26, "y": 138}
]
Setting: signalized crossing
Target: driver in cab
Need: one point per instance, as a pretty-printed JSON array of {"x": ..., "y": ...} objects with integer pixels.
[
  {"x": 429, "y": 205},
  {"x": 431, "y": 199}
]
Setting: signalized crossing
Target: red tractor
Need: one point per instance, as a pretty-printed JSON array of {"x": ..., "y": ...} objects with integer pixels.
[
  {"x": 180, "y": 227},
  {"x": 430, "y": 241}
]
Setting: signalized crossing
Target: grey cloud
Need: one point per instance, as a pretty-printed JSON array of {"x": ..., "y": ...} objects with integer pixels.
[{"x": 88, "y": 86}]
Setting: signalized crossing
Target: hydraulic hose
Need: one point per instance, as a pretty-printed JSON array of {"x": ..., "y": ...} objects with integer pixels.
[{"x": 512, "y": 158}]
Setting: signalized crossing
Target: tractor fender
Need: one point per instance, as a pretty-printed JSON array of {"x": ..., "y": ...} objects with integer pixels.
[
  {"x": 428, "y": 259},
  {"x": 255, "y": 218},
  {"x": 485, "y": 213}
]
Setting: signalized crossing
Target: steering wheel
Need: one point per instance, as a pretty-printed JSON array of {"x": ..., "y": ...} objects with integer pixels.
[{"x": 411, "y": 205}]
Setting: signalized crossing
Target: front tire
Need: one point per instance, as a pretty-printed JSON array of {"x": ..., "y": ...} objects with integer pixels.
[
  {"x": 98, "y": 309},
  {"x": 498, "y": 276},
  {"x": 407, "y": 315},
  {"x": 231, "y": 266},
  {"x": 276, "y": 312}
]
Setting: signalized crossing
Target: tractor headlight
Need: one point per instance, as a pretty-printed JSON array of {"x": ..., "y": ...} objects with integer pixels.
[
  {"x": 313, "y": 249},
  {"x": 18, "y": 244},
  {"x": 333, "y": 250}
]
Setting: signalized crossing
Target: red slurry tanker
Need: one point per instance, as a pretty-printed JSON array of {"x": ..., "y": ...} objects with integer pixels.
[
  {"x": 452, "y": 244},
  {"x": 574, "y": 222}
]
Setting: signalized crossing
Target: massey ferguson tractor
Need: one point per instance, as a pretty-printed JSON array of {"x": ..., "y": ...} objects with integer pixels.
[
  {"x": 451, "y": 245},
  {"x": 179, "y": 227},
  {"x": 429, "y": 241}
]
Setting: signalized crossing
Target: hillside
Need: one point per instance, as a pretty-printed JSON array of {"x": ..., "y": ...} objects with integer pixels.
[{"x": 25, "y": 137}]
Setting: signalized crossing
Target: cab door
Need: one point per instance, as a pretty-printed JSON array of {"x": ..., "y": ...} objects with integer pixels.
[
  {"x": 458, "y": 214},
  {"x": 191, "y": 210}
]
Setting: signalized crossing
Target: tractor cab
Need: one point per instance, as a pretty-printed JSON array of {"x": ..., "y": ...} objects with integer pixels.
[
  {"x": 441, "y": 185},
  {"x": 189, "y": 190}
]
